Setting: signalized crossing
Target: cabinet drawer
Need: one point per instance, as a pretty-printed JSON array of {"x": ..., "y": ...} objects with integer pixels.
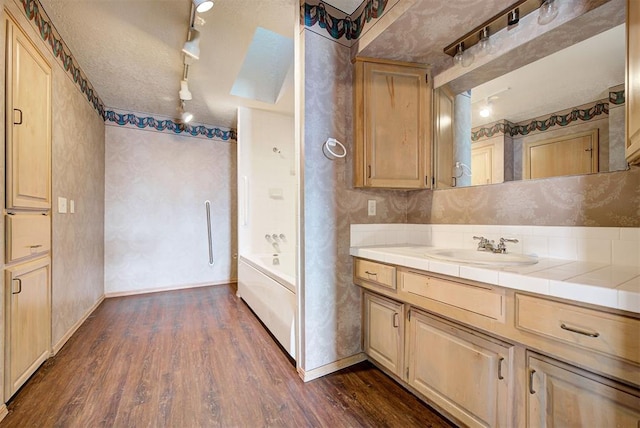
[
  {"x": 27, "y": 235},
  {"x": 476, "y": 299},
  {"x": 376, "y": 273},
  {"x": 607, "y": 333}
]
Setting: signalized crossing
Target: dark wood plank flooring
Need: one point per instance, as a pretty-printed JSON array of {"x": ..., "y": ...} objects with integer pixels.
[{"x": 198, "y": 358}]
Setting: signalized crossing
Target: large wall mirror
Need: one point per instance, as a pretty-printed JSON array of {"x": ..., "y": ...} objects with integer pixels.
[{"x": 560, "y": 115}]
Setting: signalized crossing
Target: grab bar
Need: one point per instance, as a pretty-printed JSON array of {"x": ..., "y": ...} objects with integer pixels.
[{"x": 207, "y": 206}]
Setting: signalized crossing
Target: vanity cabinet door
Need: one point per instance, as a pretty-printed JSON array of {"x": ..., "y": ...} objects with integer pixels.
[
  {"x": 466, "y": 374},
  {"x": 560, "y": 395},
  {"x": 384, "y": 331},
  {"x": 392, "y": 125}
]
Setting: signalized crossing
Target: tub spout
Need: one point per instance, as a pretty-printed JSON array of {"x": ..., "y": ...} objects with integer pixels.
[{"x": 276, "y": 247}]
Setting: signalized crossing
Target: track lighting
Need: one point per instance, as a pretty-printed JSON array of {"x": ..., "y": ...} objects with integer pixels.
[
  {"x": 548, "y": 12},
  {"x": 462, "y": 57},
  {"x": 184, "y": 93},
  {"x": 514, "y": 17},
  {"x": 203, "y": 5},
  {"x": 192, "y": 47},
  {"x": 184, "y": 116}
]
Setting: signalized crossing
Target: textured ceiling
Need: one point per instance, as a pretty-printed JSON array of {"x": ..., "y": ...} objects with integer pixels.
[{"x": 131, "y": 51}]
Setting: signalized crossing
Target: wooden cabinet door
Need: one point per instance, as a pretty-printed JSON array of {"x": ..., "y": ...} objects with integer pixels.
[
  {"x": 560, "y": 395},
  {"x": 383, "y": 331},
  {"x": 392, "y": 126},
  {"x": 467, "y": 375},
  {"x": 633, "y": 82},
  {"x": 27, "y": 321},
  {"x": 28, "y": 101}
]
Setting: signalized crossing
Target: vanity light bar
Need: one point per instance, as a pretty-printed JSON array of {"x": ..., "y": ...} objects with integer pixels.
[{"x": 495, "y": 24}]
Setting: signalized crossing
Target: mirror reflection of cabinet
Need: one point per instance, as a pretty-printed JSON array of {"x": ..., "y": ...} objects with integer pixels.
[
  {"x": 633, "y": 82},
  {"x": 392, "y": 123}
]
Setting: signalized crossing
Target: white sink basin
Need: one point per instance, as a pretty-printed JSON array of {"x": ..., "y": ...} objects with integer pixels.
[{"x": 484, "y": 258}]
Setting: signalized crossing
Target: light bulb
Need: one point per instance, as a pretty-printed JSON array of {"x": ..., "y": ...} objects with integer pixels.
[
  {"x": 485, "y": 45},
  {"x": 548, "y": 12},
  {"x": 186, "y": 117},
  {"x": 203, "y": 5},
  {"x": 462, "y": 57},
  {"x": 485, "y": 111}
]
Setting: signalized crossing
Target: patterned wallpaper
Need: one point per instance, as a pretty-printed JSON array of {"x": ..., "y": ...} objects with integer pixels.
[
  {"x": 331, "y": 325},
  {"x": 39, "y": 20},
  {"x": 155, "y": 224},
  {"x": 336, "y": 23},
  {"x": 607, "y": 199},
  {"x": 78, "y": 174},
  {"x": 145, "y": 121}
]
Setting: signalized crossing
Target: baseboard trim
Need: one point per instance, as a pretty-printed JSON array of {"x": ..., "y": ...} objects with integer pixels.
[
  {"x": 3, "y": 412},
  {"x": 331, "y": 367},
  {"x": 167, "y": 288},
  {"x": 58, "y": 346}
]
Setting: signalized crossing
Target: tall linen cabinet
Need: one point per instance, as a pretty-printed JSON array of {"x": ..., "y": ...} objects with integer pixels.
[{"x": 27, "y": 269}]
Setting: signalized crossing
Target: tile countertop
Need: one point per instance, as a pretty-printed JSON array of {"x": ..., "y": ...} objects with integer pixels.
[{"x": 613, "y": 286}]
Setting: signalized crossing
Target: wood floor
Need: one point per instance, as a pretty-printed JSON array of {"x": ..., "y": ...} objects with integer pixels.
[{"x": 198, "y": 358}]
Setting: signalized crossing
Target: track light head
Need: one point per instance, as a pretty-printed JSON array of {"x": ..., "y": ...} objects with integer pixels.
[
  {"x": 191, "y": 48},
  {"x": 513, "y": 17},
  {"x": 184, "y": 93},
  {"x": 203, "y": 5}
]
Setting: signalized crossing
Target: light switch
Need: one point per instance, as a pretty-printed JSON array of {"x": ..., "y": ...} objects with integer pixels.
[
  {"x": 72, "y": 206},
  {"x": 371, "y": 207},
  {"x": 62, "y": 205}
]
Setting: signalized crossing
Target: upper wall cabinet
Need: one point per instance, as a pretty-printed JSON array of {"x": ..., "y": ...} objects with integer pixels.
[
  {"x": 633, "y": 82},
  {"x": 392, "y": 123},
  {"x": 28, "y": 117}
]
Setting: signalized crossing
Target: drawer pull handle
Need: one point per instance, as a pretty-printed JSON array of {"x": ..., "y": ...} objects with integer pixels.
[
  {"x": 370, "y": 273},
  {"x": 531, "y": 373},
  {"x": 19, "y": 286},
  {"x": 500, "y": 377},
  {"x": 576, "y": 330},
  {"x": 35, "y": 246},
  {"x": 396, "y": 322}
]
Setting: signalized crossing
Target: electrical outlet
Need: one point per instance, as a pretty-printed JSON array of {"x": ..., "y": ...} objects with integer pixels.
[{"x": 371, "y": 207}]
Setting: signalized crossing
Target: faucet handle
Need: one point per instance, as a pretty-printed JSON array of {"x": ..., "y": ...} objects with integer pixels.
[
  {"x": 275, "y": 237},
  {"x": 268, "y": 237},
  {"x": 503, "y": 240}
]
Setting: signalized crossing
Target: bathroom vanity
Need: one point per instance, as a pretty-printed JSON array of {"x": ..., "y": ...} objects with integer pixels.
[{"x": 491, "y": 352}]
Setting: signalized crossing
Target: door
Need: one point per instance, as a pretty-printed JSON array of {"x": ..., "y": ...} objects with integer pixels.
[
  {"x": 466, "y": 374},
  {"x": 633, "y": 82},
  {"x": 383, "y": 331},
  {"x": 28, "y": 321},
  {"x": 28, "y": 101},
  {"x": 568, "y": 155},
  {"x": 481, "y": 165},
  {"x": 560, "y": 395}
]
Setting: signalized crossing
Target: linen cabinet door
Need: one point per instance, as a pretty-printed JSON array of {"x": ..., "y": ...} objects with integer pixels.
[
  {"x": 466, "y": 374},
  {"x": 384, "y": 331},
  {"x": 560, "y": 395},
  {"x": 28, "y": 119},
  {"x": 28, "y": 321}
]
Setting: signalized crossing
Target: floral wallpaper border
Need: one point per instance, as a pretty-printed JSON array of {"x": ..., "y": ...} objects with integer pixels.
[
  {"x": 347, "y": 27},
  {"x": 616, "y": 97},
  {"x": 34, "y": 11},
  {"x": 554, "y": 120},
  {"x": 167, "y": 125}
]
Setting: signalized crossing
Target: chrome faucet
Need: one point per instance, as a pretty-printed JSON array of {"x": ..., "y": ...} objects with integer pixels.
[{"x": 487, "y": 245}]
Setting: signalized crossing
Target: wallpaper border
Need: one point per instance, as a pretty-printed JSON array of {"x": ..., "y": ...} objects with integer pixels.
[
  {"x": 552, "y": 121},
  {"x": 34, "y": 11},
  {"x": 146, "y": 121},
  {"x": 348, "y": 27}
]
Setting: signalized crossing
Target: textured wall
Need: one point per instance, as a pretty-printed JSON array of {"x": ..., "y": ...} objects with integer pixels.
[
  {"x": 605, "y": 199},
  {"x": 155, "y": 223},
  {"x": 78, "y": 174},
  {"x": 331, "y": 325}
]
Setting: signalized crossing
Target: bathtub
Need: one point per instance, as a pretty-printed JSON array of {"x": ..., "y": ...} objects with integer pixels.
[{"x": 270, "y": 291}]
